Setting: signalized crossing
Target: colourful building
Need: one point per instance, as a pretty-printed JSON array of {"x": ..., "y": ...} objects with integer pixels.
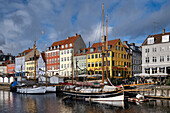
[
  {"x": 118, "y": 60},
  {"x": 11, "y": 68}
]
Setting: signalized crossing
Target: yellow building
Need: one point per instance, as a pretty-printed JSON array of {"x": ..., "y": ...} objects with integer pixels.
[
  {"x": 29, "y": 68},
  {"x": 119, "y": 61}
]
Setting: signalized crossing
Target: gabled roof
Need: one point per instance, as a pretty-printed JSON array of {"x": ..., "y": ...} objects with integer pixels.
[
  {"x": 157, "y": 38},
  {"x": 66, "y": 41},
  {"x": 43, "y": 56},
  {"x": 25, "y": 51},
  {"x": 96, "y": 45}
]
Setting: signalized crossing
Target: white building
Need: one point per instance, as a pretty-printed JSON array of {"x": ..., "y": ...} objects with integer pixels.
[{"x": 156, "y": 55}]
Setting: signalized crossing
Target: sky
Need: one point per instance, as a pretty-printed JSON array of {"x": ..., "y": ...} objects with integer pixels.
[{"x": 47, "y": 21}]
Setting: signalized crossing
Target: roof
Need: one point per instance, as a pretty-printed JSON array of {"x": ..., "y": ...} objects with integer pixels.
[
  {"x": 25, "y": 51},
  {"x": 66, "y": 41},
  {"x": 96, "y": 45},
  {"x": 43, "y": 56},
  {"x": 157, "y": 38},
  {"x": 87, "y": 49}
]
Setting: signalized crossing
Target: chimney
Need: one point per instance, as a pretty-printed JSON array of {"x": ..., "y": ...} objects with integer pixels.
[
  {"x": 125, "y": 42},
  {"x": 163, "y": 31},
  {"x": 75, "y": 34},
  {"x": 133, "y": 44}
]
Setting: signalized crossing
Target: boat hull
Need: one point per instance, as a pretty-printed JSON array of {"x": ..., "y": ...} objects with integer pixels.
[
  {"x": 51, "y": 89},
  {"x": 101, "y": 96},
  {"x": 37, "y": 90}
]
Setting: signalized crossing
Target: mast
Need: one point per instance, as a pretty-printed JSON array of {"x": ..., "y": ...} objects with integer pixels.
[
  {"x": 103, "y": 45},
  {"x": 45, "y": 68},
  {"x": 106, "y": 50},
  {"x": 21, "y": 68},
  {"x": 34, "y": 61},
  {"x": 72, "y": 66}
]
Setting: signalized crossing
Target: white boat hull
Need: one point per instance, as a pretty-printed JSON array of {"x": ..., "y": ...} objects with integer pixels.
[
  {"x": 36, "y": 90},
  {"x": 51, "y": 89},
  {"x": 115, "y": 98}
]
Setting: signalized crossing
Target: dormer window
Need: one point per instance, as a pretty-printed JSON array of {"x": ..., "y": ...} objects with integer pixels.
[
  {"x": 70, "y": 44},
  {"x": 62, "y": 46},
  {"x": 54, "y": 47},
  {"x": 151, "y": 40},
  {"x": 91, "y": 49},
  {"x": 51, "y": 48},
  {"x": 84, "y": 51},
  {"x": 165, "y": 38},
  {"x": 99, "y": 48},
  {"x": 66, "y": 45}
]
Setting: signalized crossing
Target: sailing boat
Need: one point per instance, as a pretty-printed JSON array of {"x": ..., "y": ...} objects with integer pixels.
[
  {"x": 106, "y": 93},
  {"x": 34, "y": 89}
]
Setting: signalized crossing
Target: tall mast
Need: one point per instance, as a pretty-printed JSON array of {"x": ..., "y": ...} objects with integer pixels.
[
  {"x": 103, "y": 45},
  {"x": 72, "y": 65},
  {"x": 106, "y": 50},
  {"x": 46, "y": 68},
  {"x": 21, "y": 68},
  {"x": 34, "y": 61}
]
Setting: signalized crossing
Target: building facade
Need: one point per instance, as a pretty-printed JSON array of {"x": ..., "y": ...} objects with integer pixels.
[
  {"x": 156, "y": 55},
  {"x": 136, "y": 57},
  {"x": 11, "y": 68},
  {"x": 80, "y": 62},
  {"x": 118, "y": 60}
]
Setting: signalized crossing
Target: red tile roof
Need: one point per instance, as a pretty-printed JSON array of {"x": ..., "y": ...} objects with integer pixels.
[
  {"x": 157, "y": 38},
  {"x": 25, "y": 51},
  {"x": 66, "y": 41},
  {"x": 87, "y": 49},
  {"x": 96, "y": 45}
]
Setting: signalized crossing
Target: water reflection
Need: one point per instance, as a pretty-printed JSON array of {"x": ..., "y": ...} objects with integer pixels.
[{"x": 50, "y": 103}]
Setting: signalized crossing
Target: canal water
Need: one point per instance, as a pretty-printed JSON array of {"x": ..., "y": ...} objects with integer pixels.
[{"x": 52, "y": 103}]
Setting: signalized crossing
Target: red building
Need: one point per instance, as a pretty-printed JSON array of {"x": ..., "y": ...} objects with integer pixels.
[
  {"x": 11, "y": 68},
  {"x": 53, "y": 60}
]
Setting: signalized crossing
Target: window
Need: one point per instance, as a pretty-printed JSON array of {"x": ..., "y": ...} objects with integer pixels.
[
  {"x": 47, "y": 61},
  {"x": 50, "y": 61},
  {"x": 124, "y": 56},
  {"x": 154, "y": 70},
  {"x": 162, "y": 48},
  {"x": 162, "y": 69},
  {"x": 71, "y": 51},
  {"x": 58, "y": 67},
  {"x": 55, "y": 67},
  {"x": 147, "y": 70},
  {"x": 64, "y": 65},
  {"x": 168, "y": 59},
  {"x": 64, "y": 52},
  {"x": 67, "y": 58},
  {"x": 67, "y": 51},
  {"x": 89, "y": 64},
  {"x": 108, "y": 54},
  {"x": 66, "y": 45},
  {"x": 61, "y": 59},
  {"x": 61, "y": 52},
  {"x": 58, "y": 60},
  {"x": 108, "y": 63},
  {"x": 161, "y": 58},
  {"x": 116, "y": 48},
  {"x": 67, "y": 65},
  {"x": 70, "y": 44},
  {"x": 154, "y": 59},
  {"x": 62, "y": 46},
  {"x": 58, "y": 53},
  {"x": 64, "y": 58},
  {"x": 122, "y": 48},
  {"x": 96, "y": 55},
  {"x": 55, "y": 60},
  {"x": 92, "y": 56},
  {"x": 147, "y": 50},
  {"x": 47, "y": 54},
  {"x": 92, "y": 64},
  {"x": 100, "y": 64},
  {"x": 100, "y": 55},
  {"x": 61, "y": 65},
  {"x": 88, "y": 56},
  {"x": 113, "y": 54},
  {"x": 147, "y": 59},
  {"x": 52, "y": 53},
  {"x": 119, "y": 48},
  {"x": 55, "y": 53},
  {"x": 154, "y": 49},
  {"x": 96, "y": 64}
]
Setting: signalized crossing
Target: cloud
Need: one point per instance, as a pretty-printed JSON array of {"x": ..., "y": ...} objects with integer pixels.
[{"x": 23, "y": 21}]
